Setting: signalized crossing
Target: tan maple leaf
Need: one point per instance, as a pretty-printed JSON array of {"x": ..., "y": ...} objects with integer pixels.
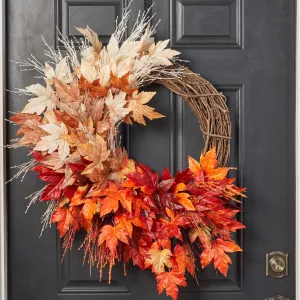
[
  {"x": 95, "y": 151},
  {"x": 32, "y": 133},
  {"x": 67, "y": 93},
  {"x": 138, "y": 108}
]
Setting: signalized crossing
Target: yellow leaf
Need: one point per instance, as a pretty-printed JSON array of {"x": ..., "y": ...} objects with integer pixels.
[{"x": 158, "y": 259}]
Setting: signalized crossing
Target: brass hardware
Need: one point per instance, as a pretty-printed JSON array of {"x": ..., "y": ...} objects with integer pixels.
[
  {"x": 277, "y": 266},
  {"x": 277, "y": 298}
]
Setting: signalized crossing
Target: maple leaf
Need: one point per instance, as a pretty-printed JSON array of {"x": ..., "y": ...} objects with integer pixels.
[
  {"x": 61, "y": 72},
  {"x": 170, "y": 281},
  {"x": 138, "y": 205},
  {"x": 64, "y": 117},
  {"x": 113, "y": 196},
  {"x": 32, "y": 133},
  {"x": 158, "y": 259},
  {"x": 52, "y": 190},
  {"x": 42, "y": 102},
  {"x": 203, "y": 233},
  {"x": 65, "y": 218},
  {"x": 138, "y": 108},
  {"x": 55, "y": 140},
  {"x": 96, "y": 152},
  {"x": 222, "y": 219},
  {"x": 115, "y": 106},
  {"x": 183, "y": 198},
  {"x": 162, "y": 55},
  {"x": 127, "y": 168},
  {"x": 217, "y": 254},
  {"x": 110, "y": 235},
  {"x": 143, "y": 178},
  {"x": 180, "y": 258},
  {"x": 67, "y": 93},
  {"x": 80, "y": 193},
  {"x": 122, "y": 83},
  {"x": 88, "y": 210},
  {"x": 21, "y": 118},
  {"x": 126, "y": 224},
  {"x": 208, "y": 165},
  {"x": 170, "y": 228}
]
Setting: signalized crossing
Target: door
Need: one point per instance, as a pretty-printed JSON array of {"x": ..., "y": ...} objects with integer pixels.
[{"x": 246, "y": 48}]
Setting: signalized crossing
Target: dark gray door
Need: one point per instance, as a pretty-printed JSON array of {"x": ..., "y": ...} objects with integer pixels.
[{"x": 247, "y": 49}]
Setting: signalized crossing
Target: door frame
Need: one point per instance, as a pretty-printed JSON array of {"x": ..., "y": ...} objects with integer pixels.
[{"x": 3, "y": 204}]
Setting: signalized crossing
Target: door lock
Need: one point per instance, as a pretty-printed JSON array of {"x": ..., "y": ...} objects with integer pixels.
[
  {"x": 277, "y": 265},
  {"x": 277, "y": 298}
]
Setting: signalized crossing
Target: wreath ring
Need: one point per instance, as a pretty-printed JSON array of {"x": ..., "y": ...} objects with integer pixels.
[
  {"x": 128, "y": 212},
  {"x": 210, "y": 108}
]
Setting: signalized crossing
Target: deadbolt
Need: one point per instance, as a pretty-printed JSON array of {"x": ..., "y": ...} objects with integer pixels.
[
  {"x": 277, "y": 265},
  {"x": 277, "y": 298}
]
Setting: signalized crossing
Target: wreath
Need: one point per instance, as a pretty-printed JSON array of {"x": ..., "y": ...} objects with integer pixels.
[{"x": 128, "y": 212}]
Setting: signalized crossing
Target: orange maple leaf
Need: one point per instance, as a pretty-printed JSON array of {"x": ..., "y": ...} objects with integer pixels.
[
  {"x": 122, "y": 83},
  {"x": 126, "y": 224},
  {"x": 208, "y": 165},
  {"x": 79, "y": 195},
  {"x": 170, "y": 281},
  {"x": 113, "y": 196},
  {"x": 183, "y": 198},
  {"x": 65, "y": 218},
  {"x": 110, "y": 235},
  {"x": 217, "y": 253}
]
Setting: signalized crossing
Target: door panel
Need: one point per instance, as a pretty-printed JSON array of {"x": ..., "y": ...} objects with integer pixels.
[{"x": 246, "y": 49}]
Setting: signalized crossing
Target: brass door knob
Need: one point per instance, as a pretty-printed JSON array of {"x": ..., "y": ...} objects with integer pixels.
[{"x": 277, "y": 264}]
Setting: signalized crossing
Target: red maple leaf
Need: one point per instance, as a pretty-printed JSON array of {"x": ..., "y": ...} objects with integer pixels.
[
  {"x": 143, "y": 178},
  {"x": 52, "y": 190}
]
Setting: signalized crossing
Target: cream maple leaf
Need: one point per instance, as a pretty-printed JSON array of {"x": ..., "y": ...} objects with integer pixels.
[
  {"x": 162, "y": 55},
  {"x": 88, "y": 70},
  {"x": 61, "y": 72},
  {"x": 41, "y": 103},
  {"x": 158, "y": 259},
  {"x": 55, "y": 140},
  {"x": 115, "y": 105}
]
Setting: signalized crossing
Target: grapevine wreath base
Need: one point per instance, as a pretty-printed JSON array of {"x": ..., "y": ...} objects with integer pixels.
[{"x": 129, "y": 213}]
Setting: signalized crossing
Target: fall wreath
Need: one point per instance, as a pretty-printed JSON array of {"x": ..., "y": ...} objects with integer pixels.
[{"x": 128, "y": 212}]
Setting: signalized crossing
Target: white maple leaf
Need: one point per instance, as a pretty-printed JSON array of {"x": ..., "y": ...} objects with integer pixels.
[
  {"x": 115, "y": 105},
  {"x": 41, "y": 103},
  {"x": 55, "y": 140},
  {"x": 61, "y": 72}
]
